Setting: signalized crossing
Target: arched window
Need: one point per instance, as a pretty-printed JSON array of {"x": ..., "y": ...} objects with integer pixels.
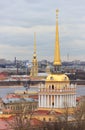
[
  {"x": 52, "y": 86},
  {"x": 52, "y": 103},
  {"x": 51, "y": 78},
  {"x": 65, "y": 78},
  {"x": 44, "y": 119},
  {"x": 49, "y": 119}
]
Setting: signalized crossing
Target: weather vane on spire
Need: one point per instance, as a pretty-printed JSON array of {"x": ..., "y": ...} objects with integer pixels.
[{"x": 57, "y": 13}]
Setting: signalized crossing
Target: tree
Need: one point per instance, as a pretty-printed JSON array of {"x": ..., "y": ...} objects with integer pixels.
[
  {"x": 79, "y": 115},
  {"x": 21, "y": 119}
]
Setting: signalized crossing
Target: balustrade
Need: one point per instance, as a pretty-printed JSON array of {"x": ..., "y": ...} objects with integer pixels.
[{"x": 63, "y": 90}]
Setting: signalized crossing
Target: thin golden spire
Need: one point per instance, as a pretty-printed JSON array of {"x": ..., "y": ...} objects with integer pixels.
[
  {"x": 57, "y": 60},
  {"x": 34, "y": 69}
]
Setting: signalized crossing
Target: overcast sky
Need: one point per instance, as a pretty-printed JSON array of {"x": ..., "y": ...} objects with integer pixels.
[{"x": 19, "y": 19}]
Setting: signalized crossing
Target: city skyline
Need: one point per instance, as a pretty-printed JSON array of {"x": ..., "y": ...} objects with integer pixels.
[{"x": 20, "y": 19}]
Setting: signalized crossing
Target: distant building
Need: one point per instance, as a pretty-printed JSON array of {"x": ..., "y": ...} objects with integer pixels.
[{"x": 17, "y": 105}]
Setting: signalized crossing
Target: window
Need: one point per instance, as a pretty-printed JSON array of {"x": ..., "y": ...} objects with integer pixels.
[
  {"x": 52, "y": 103},
  {"x": 52, "y": 86},
  {"x": 65, "y": 78},
  {"x": 51, "y": 78},
  {"x": 44, "y": 119},
  {"x": 49, "y": 119}
]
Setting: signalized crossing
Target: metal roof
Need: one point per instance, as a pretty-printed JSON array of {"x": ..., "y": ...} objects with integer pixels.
[{"x": 18, "y": 100}]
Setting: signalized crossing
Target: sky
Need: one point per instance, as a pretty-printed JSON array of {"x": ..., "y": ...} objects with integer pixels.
[{"x": 19, "y": 19}]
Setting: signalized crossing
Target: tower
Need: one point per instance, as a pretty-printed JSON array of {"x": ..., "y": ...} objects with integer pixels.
[
  {"x": 34, "y": 69},
  {"x": 58, "y": 92},
  {"x": 57, "y": 60}
]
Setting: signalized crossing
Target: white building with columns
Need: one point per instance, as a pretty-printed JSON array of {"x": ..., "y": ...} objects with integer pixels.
[{"x": 57, "y": 92}]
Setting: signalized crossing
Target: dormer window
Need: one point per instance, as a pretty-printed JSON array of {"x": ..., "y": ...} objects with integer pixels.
[
  {"x": 65, "y": 78},
  {"x": 51, "y": 78}
]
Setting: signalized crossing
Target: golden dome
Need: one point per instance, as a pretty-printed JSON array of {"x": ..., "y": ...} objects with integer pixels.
[{"x": 57, "y": 77}]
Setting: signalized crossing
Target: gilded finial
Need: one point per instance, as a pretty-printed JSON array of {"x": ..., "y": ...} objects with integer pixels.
[{"x": 57, "y": 12}]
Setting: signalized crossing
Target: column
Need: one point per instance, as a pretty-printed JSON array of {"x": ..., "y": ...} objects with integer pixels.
[
  {"x": 48, "y": 101},
  {"x": 45, "y": 101},
  {"x": 54, "y": 101},
  {"x": 39, "y": 101},
  {"x": 42, "y": 101},
  {"x": 75, "y": 100},
  {"x": 67, "y": 101},
  {"x": 61, "y": 101},
  {"x": 51, "y": 101},
  {"x": 71, "y": 101},
  {"x": 57, "y": 102}
]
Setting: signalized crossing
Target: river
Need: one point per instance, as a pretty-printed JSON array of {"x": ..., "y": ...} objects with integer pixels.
[{"x": 3, "y": 91}]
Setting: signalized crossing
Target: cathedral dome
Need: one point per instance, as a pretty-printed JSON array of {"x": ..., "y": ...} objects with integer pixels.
[{"x": 57, "y": 77}]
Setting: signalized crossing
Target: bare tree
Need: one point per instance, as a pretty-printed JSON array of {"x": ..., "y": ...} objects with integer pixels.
[
  {"x": 79, "y": 116},
  {"x": 21, "y": 120}
]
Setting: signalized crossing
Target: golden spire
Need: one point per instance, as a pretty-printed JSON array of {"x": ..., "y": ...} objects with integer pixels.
[
  {"x": 57, "y": 60},
  {"x": 34, "y": 69}
]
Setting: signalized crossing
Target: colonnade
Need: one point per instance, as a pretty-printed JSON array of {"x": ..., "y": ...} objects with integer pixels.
[{"x": 57, "y": 101}]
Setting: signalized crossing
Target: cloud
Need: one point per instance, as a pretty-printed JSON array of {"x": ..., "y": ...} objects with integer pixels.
[
  {"x": 19, "y": 52},
  {"x": 22, "y": 30},
  {"x": 19, "y": 19}
]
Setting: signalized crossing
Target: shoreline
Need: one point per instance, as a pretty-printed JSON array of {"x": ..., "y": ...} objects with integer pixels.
[{"x": 14, "y": 86}]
